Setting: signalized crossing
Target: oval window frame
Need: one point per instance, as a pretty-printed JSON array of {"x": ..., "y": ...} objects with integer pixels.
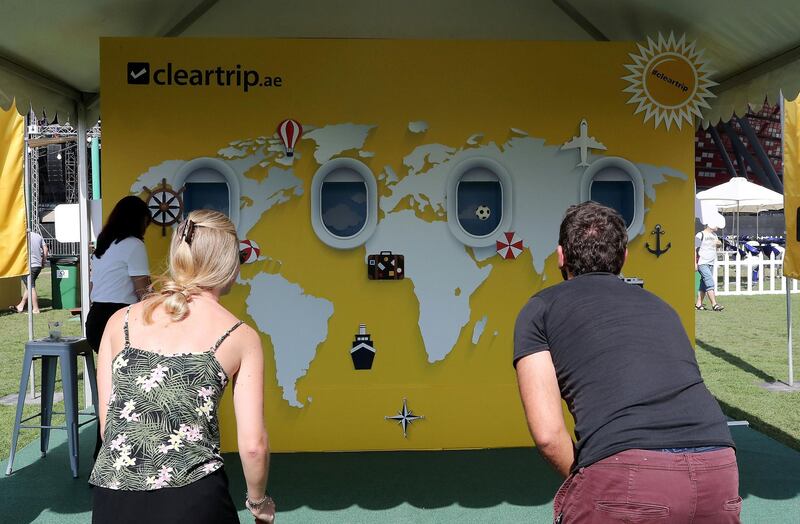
[
  {"x": 451, "y": 196},
  {"x": 234, "y": 192},
  {"x": 635, "y": 176},
  {"x": 322, "y": 232}
]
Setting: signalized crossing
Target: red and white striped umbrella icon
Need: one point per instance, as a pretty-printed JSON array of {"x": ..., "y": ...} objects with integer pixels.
[
  {"x": 248, "y": 251},
  {"x": 510, "y": 246},
  {"x": 290, "y": 131}
]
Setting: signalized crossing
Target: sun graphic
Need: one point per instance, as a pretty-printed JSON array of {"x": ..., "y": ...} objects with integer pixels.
[{"x": 669, "y": 81}]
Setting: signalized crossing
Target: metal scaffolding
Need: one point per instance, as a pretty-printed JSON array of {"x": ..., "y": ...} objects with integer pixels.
[{"x": 46, "y": 193}]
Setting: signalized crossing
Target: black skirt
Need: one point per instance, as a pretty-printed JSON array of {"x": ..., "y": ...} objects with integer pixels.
[{"x": 205, "y": 501}]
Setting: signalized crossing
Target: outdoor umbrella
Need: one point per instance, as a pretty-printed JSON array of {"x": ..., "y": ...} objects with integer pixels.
[{"x": 742, "y": 196}]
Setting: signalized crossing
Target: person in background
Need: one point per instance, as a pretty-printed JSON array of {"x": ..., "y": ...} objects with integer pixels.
[
  {"x": 120, "y": 272},
  {"x": 39, "y": 253},
  {"x": 652, "y": 443},
  {"x": 706, "y": 244},
  {"x": 162, "y": 370}
]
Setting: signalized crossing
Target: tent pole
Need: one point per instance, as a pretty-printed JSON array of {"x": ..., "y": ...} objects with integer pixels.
[
  {"x": 788, "y": 291},
  {"x": 96, "y": 168},
  {"x": 28, "y": 229},
  {"x": 789, "y": 330},
  {"x": 28, "y": 225},
  {"x": 83, "y": 208}
]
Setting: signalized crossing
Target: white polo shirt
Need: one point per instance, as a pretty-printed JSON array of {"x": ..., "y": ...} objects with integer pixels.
[{"x": 111, "y": 274}]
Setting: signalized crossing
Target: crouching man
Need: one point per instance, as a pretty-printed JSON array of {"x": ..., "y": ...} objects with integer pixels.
[{"x": 652, "y": 443}]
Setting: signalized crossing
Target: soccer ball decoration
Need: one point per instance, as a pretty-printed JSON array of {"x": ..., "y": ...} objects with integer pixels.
[
  {"x": 249, "y": 251},
  {"x": 483, "y": 212}
]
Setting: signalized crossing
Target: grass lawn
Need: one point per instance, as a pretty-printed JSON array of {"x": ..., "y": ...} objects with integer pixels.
[
  {"x": 738, "y": 350},
  {"x": 743, "y": 347},
  {"x": 13, "y": 335}
]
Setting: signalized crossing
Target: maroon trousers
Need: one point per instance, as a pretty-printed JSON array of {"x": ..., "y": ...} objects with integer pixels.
[{"x": 653, "y": 486}]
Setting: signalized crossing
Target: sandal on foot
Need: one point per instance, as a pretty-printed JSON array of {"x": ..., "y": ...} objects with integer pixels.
[
  {"x": 700, "y": 308},
  {"x": 718, "y": 307},
  {"x": 14, "y": 309}
]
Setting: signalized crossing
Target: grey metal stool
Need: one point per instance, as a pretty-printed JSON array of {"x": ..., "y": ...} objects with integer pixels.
[{"x": 49, "y": 351}]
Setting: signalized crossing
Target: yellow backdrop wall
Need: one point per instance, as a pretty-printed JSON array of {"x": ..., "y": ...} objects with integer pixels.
[{"x": 410, "y": 111}]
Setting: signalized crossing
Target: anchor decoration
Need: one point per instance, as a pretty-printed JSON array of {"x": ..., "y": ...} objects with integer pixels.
[{"x": 658, "y": 231}]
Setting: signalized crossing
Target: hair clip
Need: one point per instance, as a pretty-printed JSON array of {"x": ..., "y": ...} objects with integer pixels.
[{"x": 187, "y": 231}]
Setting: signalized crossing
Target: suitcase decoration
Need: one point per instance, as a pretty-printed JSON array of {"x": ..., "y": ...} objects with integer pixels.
[{"x": 385, "y": 266}]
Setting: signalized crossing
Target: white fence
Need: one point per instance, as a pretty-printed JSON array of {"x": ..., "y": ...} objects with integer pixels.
[{"x": 751, "y": 275}]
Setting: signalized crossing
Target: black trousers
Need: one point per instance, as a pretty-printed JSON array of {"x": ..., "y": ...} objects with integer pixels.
[
  {"x": 97, "y": 319},
  {"x": 96, "y": 322},
  {"x": 206, "y": 501}
]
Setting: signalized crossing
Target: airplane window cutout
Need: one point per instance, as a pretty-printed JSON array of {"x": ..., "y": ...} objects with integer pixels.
[
  {"x": 206, "y": 195},
  {"x": 616, "y": 183},
  {"x": 479, "y": 201},
  {"x": 209, "y": 184},
  {"x": 344, "y": 203}
]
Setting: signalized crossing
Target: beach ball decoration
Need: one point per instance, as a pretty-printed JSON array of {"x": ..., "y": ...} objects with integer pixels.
[
  {"x": 290, "y": 132},
  {"x": 509, "y": 246},
  {"x": 483, "y": 212},
  {"x": 249, "y": 251}
]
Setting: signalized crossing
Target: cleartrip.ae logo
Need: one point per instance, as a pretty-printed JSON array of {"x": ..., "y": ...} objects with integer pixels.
[{"x": 142, "y": 73}]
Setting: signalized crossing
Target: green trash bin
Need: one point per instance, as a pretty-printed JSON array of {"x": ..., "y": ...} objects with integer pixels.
[{"x": 66, "y": 282}]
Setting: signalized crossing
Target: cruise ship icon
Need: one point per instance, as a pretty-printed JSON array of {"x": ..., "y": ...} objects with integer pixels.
[{"x": 363, "y": 352}]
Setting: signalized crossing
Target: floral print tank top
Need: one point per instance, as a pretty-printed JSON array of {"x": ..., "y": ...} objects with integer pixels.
[{"x": 161, "y": 426}]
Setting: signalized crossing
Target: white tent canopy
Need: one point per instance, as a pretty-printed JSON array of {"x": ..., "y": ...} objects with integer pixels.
[
  {"x": 49, "y": 50},
  {"x": 739, "y": 194}
]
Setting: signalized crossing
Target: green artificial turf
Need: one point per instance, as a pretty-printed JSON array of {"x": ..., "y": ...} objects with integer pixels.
[
  {"x": 13, "y": 335},
  {"x": 478, "y": 486},
  {"x": 742, "y": 348}
]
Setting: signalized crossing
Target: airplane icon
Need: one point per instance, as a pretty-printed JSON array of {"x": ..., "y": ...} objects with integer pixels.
[{"x": 584, "y": 143}]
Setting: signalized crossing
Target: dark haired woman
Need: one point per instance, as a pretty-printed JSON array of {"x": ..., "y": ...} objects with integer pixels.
[{"x": 120, "y": 273}]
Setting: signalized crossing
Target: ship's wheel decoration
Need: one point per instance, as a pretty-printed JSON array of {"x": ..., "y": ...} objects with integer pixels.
[
  {"x": 510, "y": 246},
  {"x": 166, "y": 205},
  {"x": 248, "y": 251}
]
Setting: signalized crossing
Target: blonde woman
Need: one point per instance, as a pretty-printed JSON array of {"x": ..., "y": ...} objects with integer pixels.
[{"x": 162, "y": 369}]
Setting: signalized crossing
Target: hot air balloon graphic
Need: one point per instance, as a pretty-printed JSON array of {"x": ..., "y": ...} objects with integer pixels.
[{"x": 290, "y": 131}]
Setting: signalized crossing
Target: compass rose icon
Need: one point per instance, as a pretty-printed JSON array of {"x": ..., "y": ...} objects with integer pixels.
[{"x": 405, "y": 417}]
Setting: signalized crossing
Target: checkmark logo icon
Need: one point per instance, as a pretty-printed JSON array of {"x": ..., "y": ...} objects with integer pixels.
[{"x": 138, "y": 73}]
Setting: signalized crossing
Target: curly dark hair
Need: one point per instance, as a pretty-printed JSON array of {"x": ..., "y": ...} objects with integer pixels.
[{"x": 593, "y": 238}]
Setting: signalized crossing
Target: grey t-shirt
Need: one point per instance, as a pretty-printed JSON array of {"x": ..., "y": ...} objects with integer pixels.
[
  {"x": 624, "y": 366},
  {"x": 37, "y": 249}
]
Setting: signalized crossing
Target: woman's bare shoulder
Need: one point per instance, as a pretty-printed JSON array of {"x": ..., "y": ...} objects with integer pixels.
[
  {"x": 117, "y": 320},
  {"x": 247, "y": 336}
]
